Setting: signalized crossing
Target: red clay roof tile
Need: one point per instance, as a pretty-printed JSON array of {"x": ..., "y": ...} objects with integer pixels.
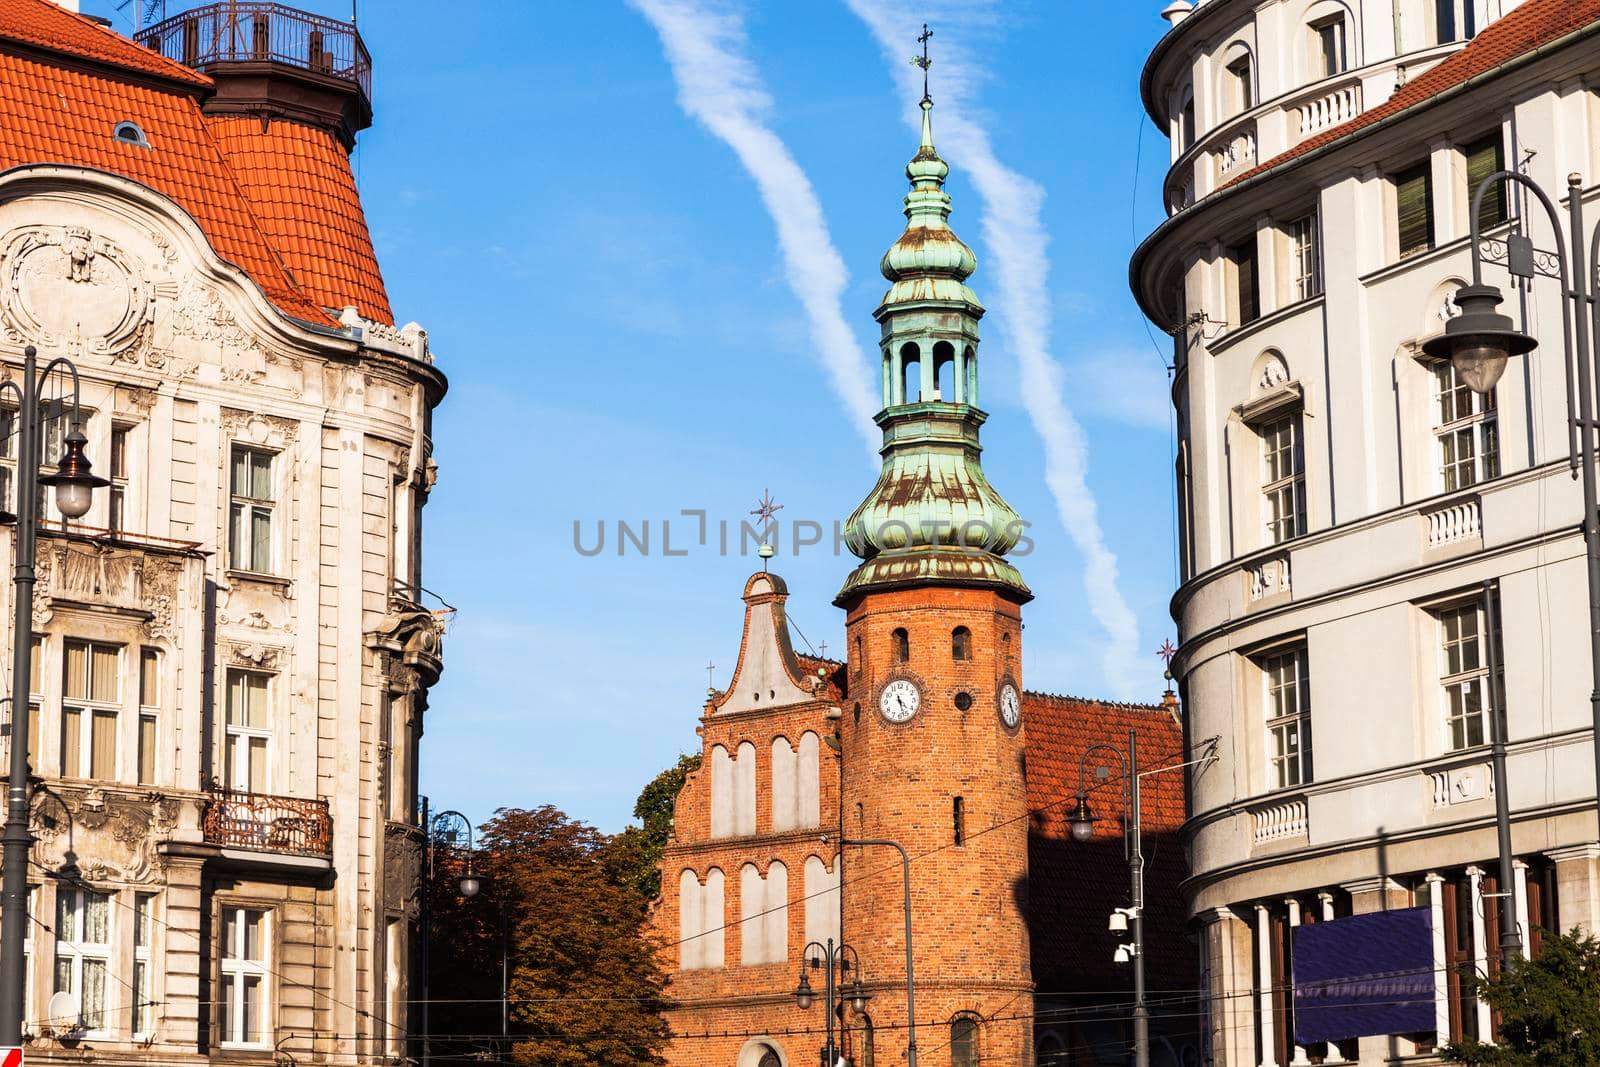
[{"x": 50, "y": 26}]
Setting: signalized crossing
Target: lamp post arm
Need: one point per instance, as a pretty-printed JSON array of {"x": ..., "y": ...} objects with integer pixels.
[
  {"x": 63, "y": 363},
  {"x": 911, "y": 981}
]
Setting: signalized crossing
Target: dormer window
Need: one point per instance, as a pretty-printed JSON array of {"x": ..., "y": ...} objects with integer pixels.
[{"x": 130, "y": 133}]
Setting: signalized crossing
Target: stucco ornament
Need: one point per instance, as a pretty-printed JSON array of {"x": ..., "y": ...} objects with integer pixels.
[
  {"x": 1273, "y": 374},
  {"x": 67, "y": 289}
]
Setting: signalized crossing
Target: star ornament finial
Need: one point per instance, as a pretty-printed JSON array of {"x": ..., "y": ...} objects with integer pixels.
[
  {"x": 766, "y": 508},
  {"x": 1167, "y": 651}
]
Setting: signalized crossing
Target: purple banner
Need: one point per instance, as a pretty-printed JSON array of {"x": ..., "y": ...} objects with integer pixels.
[{"x": 1368, "y": 974}]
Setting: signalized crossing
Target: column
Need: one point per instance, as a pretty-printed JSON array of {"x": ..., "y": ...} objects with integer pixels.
[
  {"x": 1269, "y": 1031},
  {"x": 930, "y": 383},
  {"x": 1334, "y": 1053},
  {"x": 958, "y": 376},
  {"x": 1520, "y": 889},
  {"x": 1227, "y": 944},
  {"x": 888, "y": 379},
  {"x": 1299, "y": 1056},
  {"x": 897, "y": 372},
  {"x": 1578, "y": 886},
  {"x": 1441, "y": 980},
  {"x": 1480, "y": 946}
]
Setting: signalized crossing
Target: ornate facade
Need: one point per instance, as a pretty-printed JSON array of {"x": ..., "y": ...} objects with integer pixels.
[{"x": 232, "y": 657}]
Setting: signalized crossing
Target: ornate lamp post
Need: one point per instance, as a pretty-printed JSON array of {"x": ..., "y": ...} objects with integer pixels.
[
  {"x": 74, "y": 484},
  {"x": 831, "y": 958},
  {"x": 1479, "y": 343},
  {"x": 445, "y": 827}
]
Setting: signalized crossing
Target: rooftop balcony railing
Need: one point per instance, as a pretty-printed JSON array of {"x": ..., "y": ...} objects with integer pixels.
[
  {"x": 260, "y": 822},
  {"x": 245, "y": 31}
]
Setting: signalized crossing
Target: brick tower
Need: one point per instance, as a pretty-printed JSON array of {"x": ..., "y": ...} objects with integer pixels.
[{"x": 932, "y": 742}]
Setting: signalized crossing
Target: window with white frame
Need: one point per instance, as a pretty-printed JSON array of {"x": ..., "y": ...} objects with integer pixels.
[
  {"x": 1288, "y": 712},
  {"x": 54, "y": 424},
  {"x": 1328, "y": 47},
  {"x": 1464, "y": 673},
  {"x": 250, "y": 510},
  {"x": 1454, "y": 20},
  {"x": 248, "y": 748},
  {"x": 149, "y": 713},
  {"x": 1304, "y": 265},
  {"x": 83, "y": 952},
  {"x": 242, "y": 985},
  {"x": 91, "y": 700},
  {"x": 116, "y": 518},
  {"x": 1283, "y": 484},
  {"x": 141, "y": 989},
  {"x": 1240, "y": 85},
  {"x": 1467, "y": 430}
]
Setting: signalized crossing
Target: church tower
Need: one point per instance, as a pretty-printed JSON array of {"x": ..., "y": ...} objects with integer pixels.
[{"x": 932, "y": 744}]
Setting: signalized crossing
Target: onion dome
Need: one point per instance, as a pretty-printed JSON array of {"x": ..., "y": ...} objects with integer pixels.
[{"x": 928, "y": 261}]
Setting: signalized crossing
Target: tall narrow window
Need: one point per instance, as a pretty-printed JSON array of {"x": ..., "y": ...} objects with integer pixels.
[
  {"x": 249, "y": 734},
  {"x": 961, "y": 643},
  {"x": 1283, "y": 479},
  {"x": 964, "y": 1041},
  {"x": 92, "y": 697},
  {"x": 53, "y": 426},
  {"x": 117, "y": 516},
  {"x": 1413, "y": 190},
  {"x": 902, "y": 646},
  {"x": 149, "y": 713},
  {"x": 1241, "y": 90},
  {"x": 958, "y": 817},
  {"x": 1485, "y": 156},
  {"x": 1464, "y": 673},
  {"x": 141, "y": 988},
  {"x": 1328, "y": 47},
  {"x": 242, "y": 990},
  {"x": 1467, "y": 431},
  {"x": 1247, "y": 295},
  {"x": 1304, "y": 257},
  {"x": 1186, "y": 126},
  {"x": 83, "y": 952},
  {"x": 1288, "y": 707},
  {"x": 251, "y": 509}
]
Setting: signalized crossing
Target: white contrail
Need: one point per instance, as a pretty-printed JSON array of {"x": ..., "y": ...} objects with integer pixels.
[
  {"x": 718, "y": 86},
  {"x": 1017, "y": 238}
]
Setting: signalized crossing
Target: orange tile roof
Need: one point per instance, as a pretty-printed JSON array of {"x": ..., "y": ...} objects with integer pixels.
[
  {"x": 50, "y": 26},
  {"x": 304, "y": 193},
  {"x": 1534, "y": 24},
  {"x": 1073, "y": 886}
]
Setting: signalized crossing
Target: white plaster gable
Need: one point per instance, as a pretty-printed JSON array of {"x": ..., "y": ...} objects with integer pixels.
[{"x": 767, "y": 671}]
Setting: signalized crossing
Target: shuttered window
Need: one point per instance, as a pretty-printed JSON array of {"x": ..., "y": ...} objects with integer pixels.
[
  {"x": 1484, "y": 157},
  {"x": 1414, "y": 209},
  {"x": 1244, "y": 268}
]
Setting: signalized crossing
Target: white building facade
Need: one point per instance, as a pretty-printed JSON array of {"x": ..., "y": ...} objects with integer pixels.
[{"x": 1343, "y": 499}]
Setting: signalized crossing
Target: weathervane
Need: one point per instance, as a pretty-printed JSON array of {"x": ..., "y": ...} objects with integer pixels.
[{"x": 923, "y": 61}]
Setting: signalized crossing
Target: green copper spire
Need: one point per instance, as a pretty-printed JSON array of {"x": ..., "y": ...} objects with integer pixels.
[{"x": 932, "y": 517}]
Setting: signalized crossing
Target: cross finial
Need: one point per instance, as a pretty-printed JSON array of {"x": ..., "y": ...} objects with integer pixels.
[
  {"x": 923, "y": 61},
  {"x": 822, "y": 649},
  {"x": 710, "y": 670}
]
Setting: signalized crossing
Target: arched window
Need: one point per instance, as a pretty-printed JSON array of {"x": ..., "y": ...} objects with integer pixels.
[
  {"x": 963, "y": 1041},
  {"x": 961, "y": 643},
  {"x": 902, "y": 646},
  {"x": 910, "y": 379},
  {"x": 860, "y": 658},
  {"x": 130, "y": 133},
  {"x": 769, "y": 1058},
  {"x": 944, "y": 365}
]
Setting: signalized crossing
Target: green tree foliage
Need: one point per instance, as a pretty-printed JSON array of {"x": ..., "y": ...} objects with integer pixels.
[
  {"x": 1549, "y": 1008},
  {"x": 584, "y": 982},
  {"x": 638, "y": 848}
]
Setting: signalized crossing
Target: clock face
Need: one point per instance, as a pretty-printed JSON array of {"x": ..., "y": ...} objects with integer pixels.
[
  {"x": 900, "y": 700},
  {"x": 1010, "y": 706}
]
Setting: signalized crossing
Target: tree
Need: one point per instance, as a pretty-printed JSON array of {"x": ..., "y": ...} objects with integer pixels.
[
  {"x": 1549, "y": 1007},
  {"x": 585, "y": 986},
  {"x": 638, "y": 848}
]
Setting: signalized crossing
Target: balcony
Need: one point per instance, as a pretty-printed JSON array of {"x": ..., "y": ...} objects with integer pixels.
[{"x": 259, "y": 822}]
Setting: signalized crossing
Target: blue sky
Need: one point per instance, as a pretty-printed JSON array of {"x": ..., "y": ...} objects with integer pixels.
[{"x": 605, "y": 288}]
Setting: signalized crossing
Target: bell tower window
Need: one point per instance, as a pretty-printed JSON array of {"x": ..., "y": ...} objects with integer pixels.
[
  {"x": 902, "y": 646},
  {"x": 961, "y": 643},
  {"x": 945, "y": 375}
]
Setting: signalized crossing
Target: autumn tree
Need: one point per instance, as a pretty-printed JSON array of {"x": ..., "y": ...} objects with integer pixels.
[
  {"x": 1549, "y": 1008},
  {"x": 637, "y": 850}
]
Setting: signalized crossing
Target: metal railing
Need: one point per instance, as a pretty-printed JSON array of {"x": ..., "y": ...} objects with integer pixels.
[
  {"x": 241, "y": 31},
  {"x": 268, "y": 823}
]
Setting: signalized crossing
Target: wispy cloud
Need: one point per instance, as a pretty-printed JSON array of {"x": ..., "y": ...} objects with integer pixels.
[
  {"x": 718, "y": 86},
  {"x": 1129, "y": 387},
  {"x": 1017, "y": 238}
]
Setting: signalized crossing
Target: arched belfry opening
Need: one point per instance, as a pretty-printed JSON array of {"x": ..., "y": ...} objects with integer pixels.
[{"x": 945, "y": 373}]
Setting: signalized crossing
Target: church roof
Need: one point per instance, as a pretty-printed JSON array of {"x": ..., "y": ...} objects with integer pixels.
[{"x": 277, "y": 204}]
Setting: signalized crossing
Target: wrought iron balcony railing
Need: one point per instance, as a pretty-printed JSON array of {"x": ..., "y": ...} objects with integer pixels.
[
  {"x": 243, "y": 31},
  {"x": 266, "y": 823}
]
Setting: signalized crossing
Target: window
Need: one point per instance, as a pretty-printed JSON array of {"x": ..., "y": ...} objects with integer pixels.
[
  {"x": 116, "y": 517},
  {"x": 91, "y": 697},
  {"x": 1328, "y": 47},
  {"x": 1484, "y": 157},
  {"x": 83, "y": 951},
  {"x": 1413, "y": 190},
  {"x": 242, "y": 990},
  {"x": 1241, "y": 91},
  {"x": 1247, "y": 295},
  {"x": 1464, "y": 672},
  {"x": 1467, "y": 431},
  {"x": 249, "y": 741},
  {"x": 54, "y": 424},
  {"x": 149, "y": 713},
  {"x": 1283, "y": 479},
  {"x": 1303, "y": 259},
  {"x": 1288, "y": 708},
  {"x": 961, "y": 643},
  {"x": 129, "y": 133},
  {"x": 958, "y": 814},
  {"x": 1186, "y": 127},
  {"x": 1454, "y": 20},
  {"x": 140, "y": 989},
  {"x": 250, "y": 514},
  {"x": 963, "y": 1041},
  {"x": 902, "y": 646}
]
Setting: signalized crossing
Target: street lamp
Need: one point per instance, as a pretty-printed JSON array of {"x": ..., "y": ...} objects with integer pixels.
[
  {"x": 1478, "y": 343},
  {"x": 446, "y": 828},
  {"x": 74, "y": 483},
  {"x": 911, "y": 974},
  {"x": 1081, "y": 820},
  {"x": 831, "y": 959}
]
